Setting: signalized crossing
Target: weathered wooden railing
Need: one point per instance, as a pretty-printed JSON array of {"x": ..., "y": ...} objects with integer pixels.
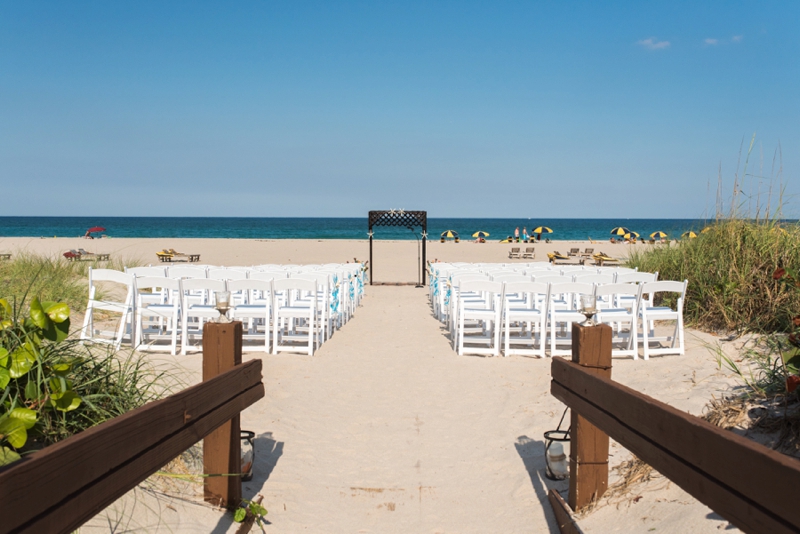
[
  {"x": 64, "y": 485},
  {"x": 752, "y": 486}
]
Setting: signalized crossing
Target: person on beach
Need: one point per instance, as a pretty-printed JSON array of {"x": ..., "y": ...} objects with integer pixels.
[
  {"x": 516, "y": 234},
  {"x": 88, "y": 235},
  {"x": 524, "y": 234}
]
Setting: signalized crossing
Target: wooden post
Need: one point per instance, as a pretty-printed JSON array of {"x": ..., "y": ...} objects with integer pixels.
[
  {"x": 222, "y": 350},
  {"x": 588, "y": 457}
]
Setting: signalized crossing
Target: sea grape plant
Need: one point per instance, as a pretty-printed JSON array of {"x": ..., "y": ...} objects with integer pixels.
[{"x": 34, "y": 376}]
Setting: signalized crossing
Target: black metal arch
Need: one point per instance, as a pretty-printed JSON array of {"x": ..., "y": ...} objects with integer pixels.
[{"x": 408, "y": 219}]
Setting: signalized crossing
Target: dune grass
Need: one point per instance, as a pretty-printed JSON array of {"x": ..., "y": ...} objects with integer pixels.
[
  {"x": 51, "y": 279},
  {"x": 730, "y": 268}
]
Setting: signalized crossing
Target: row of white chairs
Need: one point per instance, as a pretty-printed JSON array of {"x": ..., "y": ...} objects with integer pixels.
[
  {"x": 519, "y": 314},
  {"x": 280, "y": 308}
]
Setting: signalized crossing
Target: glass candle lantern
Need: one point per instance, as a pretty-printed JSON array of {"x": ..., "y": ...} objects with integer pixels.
[
  {"x": 248, "y": 453},
  {"x": 588, "y": 308},
  {"x": 556, "y": 451},
  {"x": 223, "y": 304}
]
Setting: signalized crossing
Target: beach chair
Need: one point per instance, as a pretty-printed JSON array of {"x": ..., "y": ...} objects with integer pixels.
[
  {"x": 525, "y": 306},
  {"x": 574, "y": 252},
  {"x": 556, "y": 258},
  {"x": 124, "y": 307},
  {"x": 650, "y": 314},
  {"x": 588, "y": 252},
  {"x": 5, "y": 256},
  {"x": 602, "y": 259},
  {"x": 72, "y": 255},
  {"x": 530, "y": 252},
  {"x": 167, "y": 313},
  {"x": 514, "y": 253}
]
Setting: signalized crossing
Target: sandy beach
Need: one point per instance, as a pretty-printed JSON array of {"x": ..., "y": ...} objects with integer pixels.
[
  {"x": 394, "y": 261},
  {"x": 387, "y": 429}
]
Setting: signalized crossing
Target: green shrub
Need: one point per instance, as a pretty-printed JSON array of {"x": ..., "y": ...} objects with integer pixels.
[
  {"x": 729, "y": 267},
  {"x": 52, "y": 387}
]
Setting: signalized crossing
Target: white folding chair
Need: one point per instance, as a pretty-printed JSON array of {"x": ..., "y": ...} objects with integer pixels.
[
  {"x": 568, "y": 296},
  {"x": 485, "y": 307},
  {"x": 293, "y": 319},
  {"x": 618, "y": 314},
  {"x": 649, "y": 314},
  {"x": 525, "y": 303},
  {"x": 125, "y": 308},
  {"x": 167, "y": 313},
  {"x": 256, "y": 309},
  {"x": 197, "y": 306}
]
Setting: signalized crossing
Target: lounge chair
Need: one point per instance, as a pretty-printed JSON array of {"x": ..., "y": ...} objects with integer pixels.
[
  {"x": 91, "y": 256},
  {"x": 601, "y": 259},
  {"x": 514, "y": 253},
  {"x": 529, "y": 252},
  {"x": 574, "y": 252},
  {"x": 556, "y": 256},
  {"x": 72, "y": 255},
  {"x": 5, "y": 256},
  {"x": 588, "y": 252}
]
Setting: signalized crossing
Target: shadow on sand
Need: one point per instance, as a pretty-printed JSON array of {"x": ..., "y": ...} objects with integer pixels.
[
  {"x": 268, "y": 451},
  {"x": 532, "y": 453}
]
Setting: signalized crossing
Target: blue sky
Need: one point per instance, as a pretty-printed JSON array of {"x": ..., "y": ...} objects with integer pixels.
[{"x": 465, "y": 109}]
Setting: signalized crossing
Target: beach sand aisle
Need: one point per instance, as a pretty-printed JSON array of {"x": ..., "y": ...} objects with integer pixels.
[{"x": 385, "y": 429}]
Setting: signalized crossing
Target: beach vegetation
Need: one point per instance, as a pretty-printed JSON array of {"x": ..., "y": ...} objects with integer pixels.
[
  {"x": 51, "y": 279},
  {"x": 53, "y": 386}
]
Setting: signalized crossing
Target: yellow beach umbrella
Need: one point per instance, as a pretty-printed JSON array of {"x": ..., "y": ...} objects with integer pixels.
[
  {"x": 451, "y": 234},
  {"x": 481, "y": 234},
  {"x": 631, "y": 235},
  {"x": 620, "y": 230},
  {"x": 658, "y": 235},
  {"x": 689, "y": 234},
  {"x": 541, "y": 230}
]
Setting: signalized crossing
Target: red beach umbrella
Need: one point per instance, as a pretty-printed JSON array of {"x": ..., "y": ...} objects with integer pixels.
[{"x": 96, "y": 229}]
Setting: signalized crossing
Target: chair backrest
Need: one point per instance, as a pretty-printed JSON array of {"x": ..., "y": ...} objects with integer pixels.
[
  {"x": 637, "y": 277},
  {"x": 226, "y": 274},
  {"x": 146, "y": 271},
  {"x": 594, "y": 278},
  {"x": 666, "y": 286},
  {"x": 482, "y": 286},
  {"x": 617, "y": 289},
  {"x": 157, "y": 282},
  {"x": 110, "y": 275},
  {"x": 202, "y": 284},
  {"x": 323, "y": 280},
  {"x": 551, "y": 278},
  {"x": 571, "y": 289},
  {"x": 268, "y": 275},
  {"x": 511, "y": 278},
  {"x": 301, "y": 284},
  {"x": 187, "y": 272},
  {"x": 530, "y": 288},
  {"x": 249, "y": 284}
]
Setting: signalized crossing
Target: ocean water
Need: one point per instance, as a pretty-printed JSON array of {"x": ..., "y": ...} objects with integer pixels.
[{"x": 326, "y": 228}]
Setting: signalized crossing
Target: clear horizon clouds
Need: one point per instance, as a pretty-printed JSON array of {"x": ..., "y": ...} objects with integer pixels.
[{"x": 652, "y": 43}]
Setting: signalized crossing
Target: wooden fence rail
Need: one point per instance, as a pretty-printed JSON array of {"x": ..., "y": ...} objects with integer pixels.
[
  {"x": 750, "y": 485},
  {"x": 66, "y": 484}
]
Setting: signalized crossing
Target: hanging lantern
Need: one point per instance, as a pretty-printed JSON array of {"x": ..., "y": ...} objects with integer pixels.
[
  {"x": 555, "y": 452},
  {"x": 248, "y": 453}
]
